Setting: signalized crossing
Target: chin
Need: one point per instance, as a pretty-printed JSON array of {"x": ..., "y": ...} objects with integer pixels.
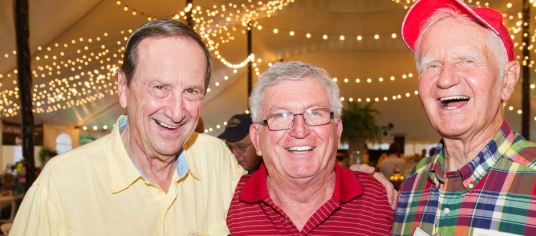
[
  {"x": 167, "y": 149},
  {"x": 451, "y": 133},
  {"x": 302, "y": 173}
]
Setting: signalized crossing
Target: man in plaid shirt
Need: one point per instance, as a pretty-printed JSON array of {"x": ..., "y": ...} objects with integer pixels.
[{"x": 481, "y": 180}]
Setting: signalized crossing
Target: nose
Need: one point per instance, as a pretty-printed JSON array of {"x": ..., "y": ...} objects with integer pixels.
[
  {"x": 300, "y": 129},
  {"x": 448, "y": 77},
  {"x": 176, "y": 110}
]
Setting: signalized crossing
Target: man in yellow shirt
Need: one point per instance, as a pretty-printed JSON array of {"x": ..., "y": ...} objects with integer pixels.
[{"x": 151, "y": 175}]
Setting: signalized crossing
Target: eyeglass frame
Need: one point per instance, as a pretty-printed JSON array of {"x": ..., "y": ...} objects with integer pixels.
[
  {"x": 239, "y": 148},
  {"x": 265, "y": 121}
]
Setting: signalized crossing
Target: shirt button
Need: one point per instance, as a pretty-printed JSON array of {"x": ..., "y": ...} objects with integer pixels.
[
  {"x": 446, "y": 210},
  {"x": 471, "y": 186}
]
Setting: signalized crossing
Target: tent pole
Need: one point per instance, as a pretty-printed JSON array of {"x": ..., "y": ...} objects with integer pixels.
[
  {"x": 25, "y": 84},
  {"x": 189, "y": 18},
  {"x": 525, "y": 88},
  {"x": 250, "y": 63}
]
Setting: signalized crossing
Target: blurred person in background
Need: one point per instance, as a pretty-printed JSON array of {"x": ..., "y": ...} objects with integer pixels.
[
  {"x": 392, "y": 161},
  {"x": 236, "y": 136}
]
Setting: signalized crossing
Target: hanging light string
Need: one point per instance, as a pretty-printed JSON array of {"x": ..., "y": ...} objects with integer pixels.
[
  {"x": 215, "y": 25},
  {"x": 80, "y": 88},
  {"x": 206, "y": 25}
]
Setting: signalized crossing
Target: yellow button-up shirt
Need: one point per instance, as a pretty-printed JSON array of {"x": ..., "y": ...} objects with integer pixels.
[{"x": 97, "y": 190}]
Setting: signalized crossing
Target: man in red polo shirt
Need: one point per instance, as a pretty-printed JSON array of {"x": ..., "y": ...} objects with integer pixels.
[{"x": 300, "y": 189}]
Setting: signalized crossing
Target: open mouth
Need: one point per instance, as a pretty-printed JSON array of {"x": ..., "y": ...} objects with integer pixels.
[
  {"x": 170, "y": 127},
  {"x": 300, "y": 149},
  {"x": 453, "y": 102}
]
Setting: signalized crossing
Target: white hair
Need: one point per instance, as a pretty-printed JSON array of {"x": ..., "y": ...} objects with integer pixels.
[{"x": 292, "y": 70}]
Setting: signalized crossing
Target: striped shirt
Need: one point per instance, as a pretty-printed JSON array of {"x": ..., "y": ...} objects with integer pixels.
[
  {"x": 358, "y": 207},
  {"x": 495, "y": 191}
]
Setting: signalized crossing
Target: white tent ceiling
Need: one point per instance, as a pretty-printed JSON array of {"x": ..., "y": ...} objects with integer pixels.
[{"x": 60, "y": 22}]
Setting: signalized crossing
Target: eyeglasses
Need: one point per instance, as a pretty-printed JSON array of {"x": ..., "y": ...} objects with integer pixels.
[
  {"x": 285, "y": 120},
  {"x": 239, "y": 148}
]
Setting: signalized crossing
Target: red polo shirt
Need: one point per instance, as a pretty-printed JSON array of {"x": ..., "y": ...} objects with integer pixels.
[{"x": 358, "y": 206}]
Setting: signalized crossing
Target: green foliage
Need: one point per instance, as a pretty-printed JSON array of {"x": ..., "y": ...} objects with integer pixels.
[
  {"x": 362, "y": 119},
  {"x": 46, "y": 152},
  {"x": 87, "y": 138}
]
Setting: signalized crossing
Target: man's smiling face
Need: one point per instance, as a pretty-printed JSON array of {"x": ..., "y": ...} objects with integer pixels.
[
  {"x": 165, "y": 95},
  {"x": 301, "y": 152},
  {"x": 459, "y": 82}
]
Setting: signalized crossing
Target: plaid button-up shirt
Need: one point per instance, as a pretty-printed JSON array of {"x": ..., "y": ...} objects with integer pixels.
[{"x": 495, "y": 191}]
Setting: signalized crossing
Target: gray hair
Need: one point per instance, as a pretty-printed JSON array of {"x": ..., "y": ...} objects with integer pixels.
[
  {"x": 493, "y": 39},
  {"x": 292, "y": 70},
  {"x": 160, "y": 28}
]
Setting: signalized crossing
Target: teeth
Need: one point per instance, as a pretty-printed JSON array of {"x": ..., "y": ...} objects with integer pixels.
[
  {"x": 454, "y": 98},
  {"x": 446, "y": 101},
  {"x": 165, "y": 125},
  {"x": 300, "y": 148}
]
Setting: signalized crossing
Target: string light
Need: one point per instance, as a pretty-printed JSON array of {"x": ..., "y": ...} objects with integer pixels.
[
  {"x": 327, "y": 36},
  {"x": 80, "y": 88},
  {"x": 379, "y": 79},
  {"x": 215, "y": 25}
]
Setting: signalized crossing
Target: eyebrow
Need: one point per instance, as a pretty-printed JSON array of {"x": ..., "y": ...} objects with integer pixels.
[
  {"x": 287, "y": 109},
  {"x": 469, "y": 54},
  {"x": 424, "y": 62},
  {"x": 466, "y": 54}
]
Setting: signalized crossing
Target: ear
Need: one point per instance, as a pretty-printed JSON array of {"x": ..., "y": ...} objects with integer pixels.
[
  {"x": 511, "y": 75},
  {"x": 338, "y": 123},
  {"x": 254, "y": 134},
  {"x": 122, "y": 89}
]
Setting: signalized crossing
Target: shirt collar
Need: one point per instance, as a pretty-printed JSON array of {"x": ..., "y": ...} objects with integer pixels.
[
  {"x": 475, "y": 170},
  {"x": 347, "y": 186},
  {"x": 123, "y": 171},
  {"x": 186, "y": 159}
]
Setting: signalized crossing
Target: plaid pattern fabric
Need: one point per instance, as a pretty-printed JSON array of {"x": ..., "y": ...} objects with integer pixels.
[{"x": 495, "y": 191}]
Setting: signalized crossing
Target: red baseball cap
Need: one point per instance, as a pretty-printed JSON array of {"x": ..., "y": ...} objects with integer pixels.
[{"x": 423, "y": 9}]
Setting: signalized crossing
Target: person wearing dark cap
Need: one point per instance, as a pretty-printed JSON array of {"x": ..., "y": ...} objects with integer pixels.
[
  {"x": 481, "y": 179},
  {"x": 236, "y": 136}
]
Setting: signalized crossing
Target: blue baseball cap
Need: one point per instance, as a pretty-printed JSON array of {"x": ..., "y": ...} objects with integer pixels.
[{"x": 237, "y": 128}]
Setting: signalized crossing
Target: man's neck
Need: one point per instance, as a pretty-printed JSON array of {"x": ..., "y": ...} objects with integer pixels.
[
  {"x": 460, "y": 151},
  {"x": 156, "y": 168},
  {"x": 301, "y": 199}
]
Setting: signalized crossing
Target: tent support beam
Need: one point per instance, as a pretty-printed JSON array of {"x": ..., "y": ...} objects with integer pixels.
[
  {"x": 22, "y": 29},
  {"x": 189, "y": 18},
  {"x": 525, "y": 87},
  {"x": 250, "y": 63}
]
